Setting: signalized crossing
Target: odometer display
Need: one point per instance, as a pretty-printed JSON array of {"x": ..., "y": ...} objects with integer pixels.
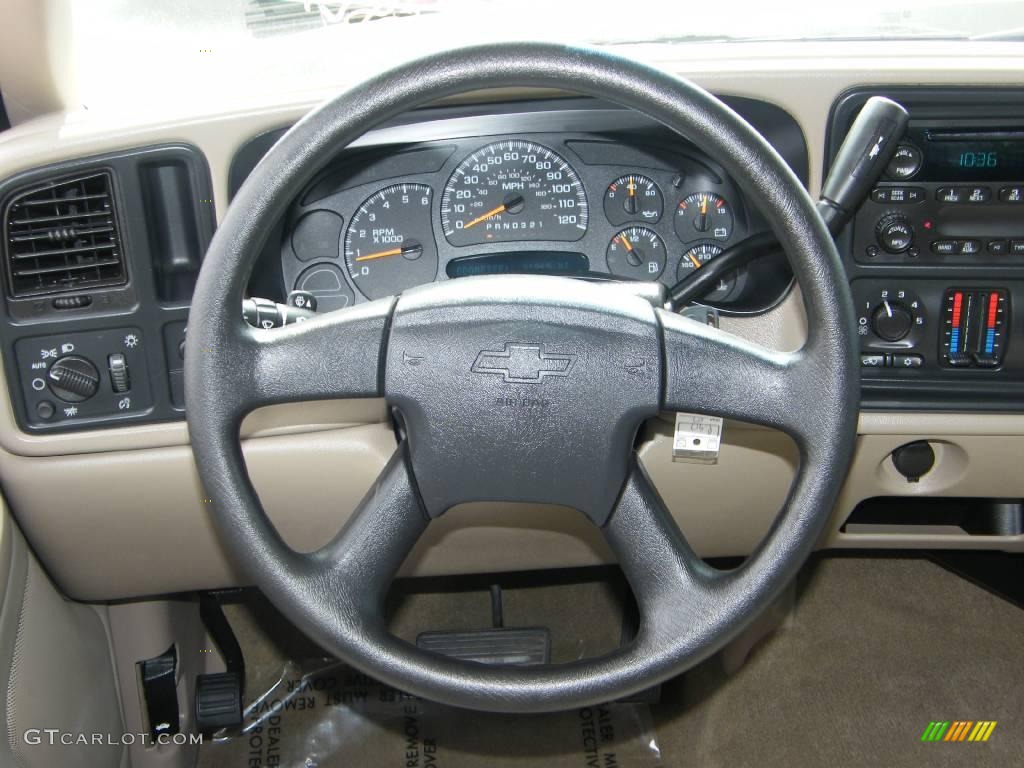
[{"x": 510, "y": 191}]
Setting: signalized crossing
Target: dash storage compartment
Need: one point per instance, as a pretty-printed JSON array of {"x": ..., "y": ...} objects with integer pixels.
[{"x": 936, "y": 516}]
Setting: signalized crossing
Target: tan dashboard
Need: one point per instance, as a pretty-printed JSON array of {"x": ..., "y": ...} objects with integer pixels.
[{"x": 118, "y": 512}]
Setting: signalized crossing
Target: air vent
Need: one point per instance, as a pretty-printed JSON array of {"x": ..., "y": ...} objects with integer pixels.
[{"x": 62, "y": 236}]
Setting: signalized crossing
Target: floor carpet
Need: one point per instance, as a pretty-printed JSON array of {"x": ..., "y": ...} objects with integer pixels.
[{"x": 874, "y": 650}]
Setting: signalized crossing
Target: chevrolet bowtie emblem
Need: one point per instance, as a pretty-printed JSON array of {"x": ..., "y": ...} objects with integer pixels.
[{"x": 523, "y": 363}]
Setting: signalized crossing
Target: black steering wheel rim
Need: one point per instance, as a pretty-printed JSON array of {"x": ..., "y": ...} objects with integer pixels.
[{"x": 336, "y": 593}]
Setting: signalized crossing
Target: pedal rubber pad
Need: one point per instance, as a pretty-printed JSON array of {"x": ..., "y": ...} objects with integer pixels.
[
  {"x": 218, "y": 701},
  {"x": 497, "y": 647}
]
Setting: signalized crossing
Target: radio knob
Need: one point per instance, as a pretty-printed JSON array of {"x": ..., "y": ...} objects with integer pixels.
[
  {"x": 73, "y": 379},
  {"x": 892, "y": 321},
  {"x": 895, "y": 233}
]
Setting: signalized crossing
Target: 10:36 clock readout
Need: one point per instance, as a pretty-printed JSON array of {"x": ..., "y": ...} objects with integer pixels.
[{"x": 979, "y": 159}]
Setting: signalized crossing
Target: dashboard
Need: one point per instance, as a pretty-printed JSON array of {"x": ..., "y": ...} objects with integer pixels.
[
  {"x": 108, "y": 497},
  {"x": 97, "y": 298}
]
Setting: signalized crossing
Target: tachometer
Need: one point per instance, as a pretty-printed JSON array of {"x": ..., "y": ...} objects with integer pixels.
[
  {"x": 389, "y": 244},
  {"x": 513, "y": 190}
]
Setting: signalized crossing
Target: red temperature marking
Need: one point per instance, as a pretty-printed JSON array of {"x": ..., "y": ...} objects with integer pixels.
[
  {"x": 958, "y": 299},
  {"x": 993, "y": 306}
]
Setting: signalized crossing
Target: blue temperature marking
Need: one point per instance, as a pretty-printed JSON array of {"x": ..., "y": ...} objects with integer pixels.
[
  {"x": 990, "y": 341},
  {"x": 954, "y": 340}
]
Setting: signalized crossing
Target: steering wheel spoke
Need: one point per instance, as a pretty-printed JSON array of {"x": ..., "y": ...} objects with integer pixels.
[
  {"x": 710, "y": 371},
  {"x": 673, "y": 587},
  {"x": 334, "y": 355},
  {"x": 356, "y": 567}
]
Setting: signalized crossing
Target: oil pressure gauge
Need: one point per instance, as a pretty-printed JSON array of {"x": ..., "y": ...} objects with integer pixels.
[{"x": 633, "y": 198}]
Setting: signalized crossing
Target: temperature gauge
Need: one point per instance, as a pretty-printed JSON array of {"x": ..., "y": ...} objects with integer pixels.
[
  {"x": 704, "y": 214},
  {"x": 633, "y": 198},
  {"x": 637, "y": 253},
  {"x": 697, "y": 257}
]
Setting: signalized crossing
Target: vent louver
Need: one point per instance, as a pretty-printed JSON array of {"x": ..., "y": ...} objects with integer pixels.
[{"x": 63, "y": 236}]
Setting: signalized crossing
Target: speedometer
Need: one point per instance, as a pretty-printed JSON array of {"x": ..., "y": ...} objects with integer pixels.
[{"x": 513, "y": 190}]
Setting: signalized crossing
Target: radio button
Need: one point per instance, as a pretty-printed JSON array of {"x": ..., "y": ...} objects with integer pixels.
[
  {"x": 969, "y": 247},
  {"x": 898, "y": 195},
  {"x": 894, "y": 233},
  {"x": 978, "y": 194},
  {"x": 945, "y": 247},
  {"x": 1011, "y": 195},
  {"x": 997, "y": 247},
  {"x": 1017, "y": 247},
  {"x": 905, "y": 163},
  {"x": 950, "y": 195}
]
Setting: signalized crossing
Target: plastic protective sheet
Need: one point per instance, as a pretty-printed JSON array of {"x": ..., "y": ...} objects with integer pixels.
[{"x": 322, "y": 713}]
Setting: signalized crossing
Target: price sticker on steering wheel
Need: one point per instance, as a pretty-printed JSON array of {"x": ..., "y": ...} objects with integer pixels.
[{"x": 697, "y": 438}]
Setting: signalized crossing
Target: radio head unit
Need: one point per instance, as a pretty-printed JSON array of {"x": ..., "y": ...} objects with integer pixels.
[
  {"x": 953, "y": 194},
  {"x": 965, "y": 154}
]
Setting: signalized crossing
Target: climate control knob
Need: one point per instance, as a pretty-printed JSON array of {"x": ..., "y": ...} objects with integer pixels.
[
  {"x": 892, "y": 321},
  {"x": 895, "y": 233},
  {"x": 73, "y": 379}
]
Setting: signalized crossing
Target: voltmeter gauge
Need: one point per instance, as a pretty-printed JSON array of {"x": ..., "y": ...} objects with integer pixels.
[
  {"x": 633, "y": 198},
  {"x": 704, "y": 215},
  {"x": 637, "y": 253}
]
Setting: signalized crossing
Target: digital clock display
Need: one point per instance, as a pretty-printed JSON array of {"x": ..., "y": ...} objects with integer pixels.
[
  {"x": 975, "y": 160},
  {"x": 979, "y": 159}
]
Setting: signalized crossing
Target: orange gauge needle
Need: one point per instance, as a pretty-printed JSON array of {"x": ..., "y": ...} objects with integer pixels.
[
  {"x": 703, "y": 206},
  {"x": 632, "y": 188},
  {"x": 625, "y": 241},
  {"x": 379, "y": 255},
  {"x": 493, "y": 212},
  {"x": 694, "y": 259},
  {"x": 412, "y": 250}
]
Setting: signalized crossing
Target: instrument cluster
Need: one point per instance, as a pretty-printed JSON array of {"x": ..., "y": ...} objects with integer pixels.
[{"x": 384, "y": 219}]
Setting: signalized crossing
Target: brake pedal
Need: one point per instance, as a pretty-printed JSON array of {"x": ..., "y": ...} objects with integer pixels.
[{"x": 499, "y": 647}]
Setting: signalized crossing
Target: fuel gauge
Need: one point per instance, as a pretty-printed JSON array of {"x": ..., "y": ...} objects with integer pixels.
[
  {"x": 633, "y": 198},
  {"x": 637, "y": 253}
]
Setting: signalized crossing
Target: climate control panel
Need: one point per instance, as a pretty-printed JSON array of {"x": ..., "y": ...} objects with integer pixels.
[
  {"x": 892, "y": 323},
  {"x": 935, "y": 331},
  {"x": 83, "y": 378}
]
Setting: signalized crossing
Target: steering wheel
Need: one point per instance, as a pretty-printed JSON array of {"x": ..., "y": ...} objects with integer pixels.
[{"x": 520, "y": 388}]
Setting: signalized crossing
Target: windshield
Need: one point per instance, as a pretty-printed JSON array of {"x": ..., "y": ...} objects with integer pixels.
[{"x": 225, "y": 49}]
